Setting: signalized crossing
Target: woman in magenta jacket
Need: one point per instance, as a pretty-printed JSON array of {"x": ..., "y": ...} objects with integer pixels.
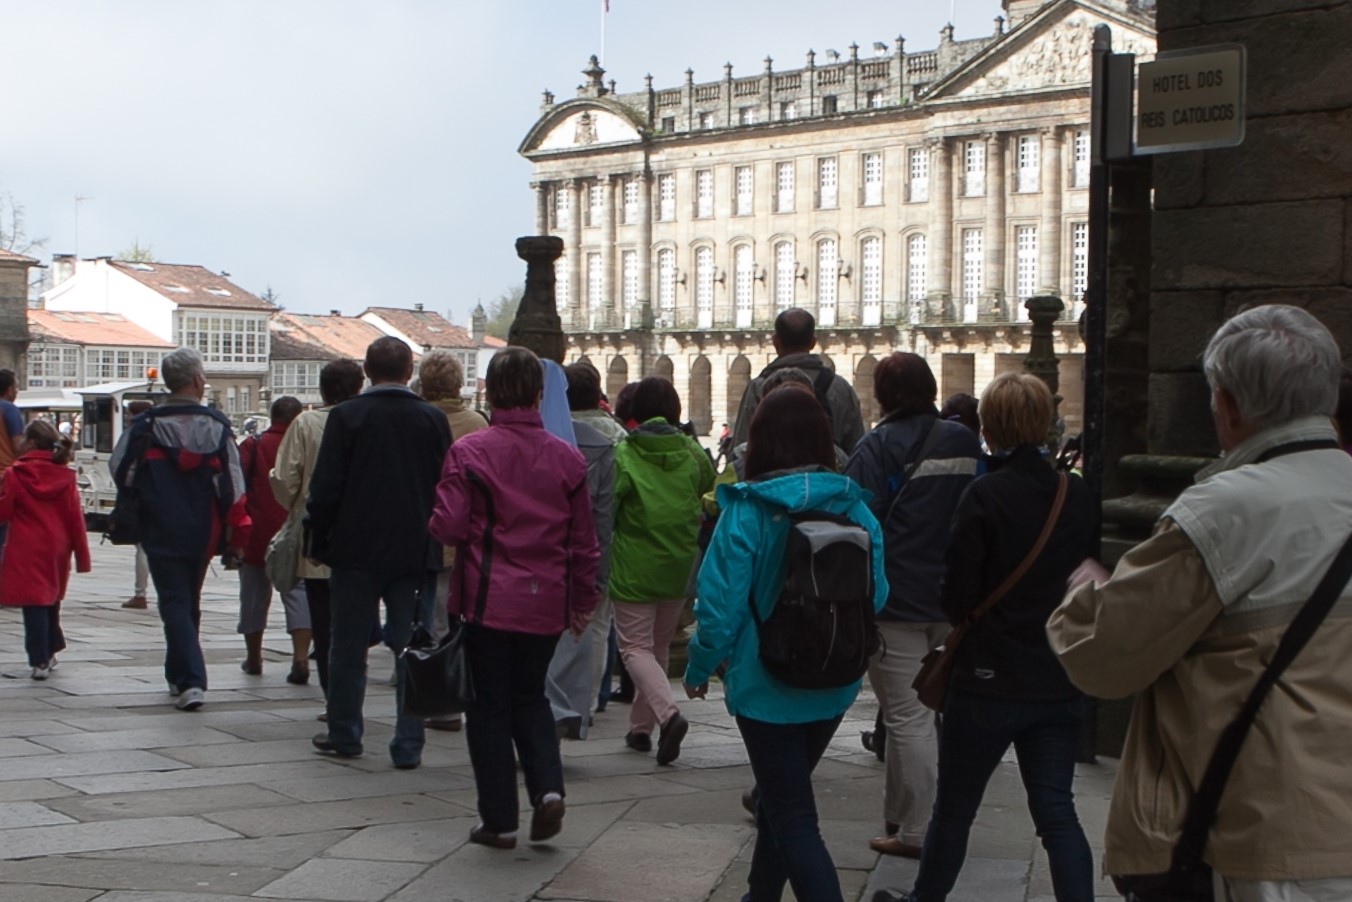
[
  {"x": 513, "y": 502},
  {"x": 39, "y": 501}
]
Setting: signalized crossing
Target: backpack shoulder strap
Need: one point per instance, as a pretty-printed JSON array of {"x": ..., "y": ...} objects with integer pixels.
[{"x": 821, "y": 387}]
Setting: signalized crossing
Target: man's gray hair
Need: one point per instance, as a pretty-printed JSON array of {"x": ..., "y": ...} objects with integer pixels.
[
  {"x": 1279, "y": 363},
  {"x": 179, "y": 366}
]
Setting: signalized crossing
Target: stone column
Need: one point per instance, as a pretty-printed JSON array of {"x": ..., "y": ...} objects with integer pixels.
[
  {"x": 610, "y": 298},
  {"x": 645, "y": 248},
  {"x": 939, "y": 246},
  {"x": 576, "y": 261},
  {"x": 1041, "y": 360},
  {"x": 541, "y": 207},
  {"x": 993, "y": 239},
  {"x": 1049, "y": 231},
  {"x": 537, "y": 325}
]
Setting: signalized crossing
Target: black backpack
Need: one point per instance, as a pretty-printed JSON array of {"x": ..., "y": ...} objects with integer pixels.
[{"x": 822, "y": 631}]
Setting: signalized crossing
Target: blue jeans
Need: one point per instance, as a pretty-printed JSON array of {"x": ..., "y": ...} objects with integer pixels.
[
  {"x": 354, "y": 598},
  {"x": 789, "y": 846},
  {"x": 42, "y": 636},
  {"x": 510, "y": 710},
  {"x": 975, "y": 733},
  {"x": 178, "y": 586}
]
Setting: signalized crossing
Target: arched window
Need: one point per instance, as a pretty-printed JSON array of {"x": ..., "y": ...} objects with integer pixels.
[
  {"x": 917, "y": 274},
  {"x": 871, "y": 280},
  {"x": 704, "y": 288},
  {"x": 784, "y": 275},
  {"x": 666, "y": 286}
]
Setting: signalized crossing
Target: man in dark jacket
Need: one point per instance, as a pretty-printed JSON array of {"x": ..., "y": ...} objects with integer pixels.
[
  {"x": 370, "y": 499},
  {"x": 182, "y": 461},
  {"x": 795, "y": 337},
  {"x": 917, "y": 467}
]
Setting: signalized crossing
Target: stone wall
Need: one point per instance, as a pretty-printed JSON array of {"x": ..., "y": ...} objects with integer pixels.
[
  {"x": 1269, "y": 221},
  {"x": 13, "y": 312}
]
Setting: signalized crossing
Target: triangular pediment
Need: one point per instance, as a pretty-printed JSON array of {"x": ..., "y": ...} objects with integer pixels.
[
  {"x": 1051, "y": 51},
  {"x": 583, "y": 125}
]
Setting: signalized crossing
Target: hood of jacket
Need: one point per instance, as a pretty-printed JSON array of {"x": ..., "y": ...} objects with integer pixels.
[
  {"x": 660, "y": 444},
  {"x": 40, "y": 477},
  {"x": 809, "y": 488}
]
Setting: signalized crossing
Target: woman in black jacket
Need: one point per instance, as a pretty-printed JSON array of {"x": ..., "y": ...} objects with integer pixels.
[{"x": 1007, "y": 686}]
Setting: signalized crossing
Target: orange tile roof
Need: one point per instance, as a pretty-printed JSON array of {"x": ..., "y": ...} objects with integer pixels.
[
  {"x": 335, "y": 336},
  {"x": 192, "y": 286},
  {"x": 425, "y": 327},
  {"x": 98, "y": 329}
]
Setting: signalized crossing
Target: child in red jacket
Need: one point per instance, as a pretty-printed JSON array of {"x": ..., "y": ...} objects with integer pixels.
[{"x": 39, "y": 501}]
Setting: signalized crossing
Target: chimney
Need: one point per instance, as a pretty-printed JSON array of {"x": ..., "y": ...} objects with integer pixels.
[
  {"x": 335, "y": 313},
  {"x": 418, "y": 307},
  {"x": 478, "y": 323},
  {"x": 63, "y": 267}
]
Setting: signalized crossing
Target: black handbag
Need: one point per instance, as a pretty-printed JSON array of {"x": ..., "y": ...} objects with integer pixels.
[
  {"x": 1189, "y": 878},
  {"x": 437, "y": 679}
]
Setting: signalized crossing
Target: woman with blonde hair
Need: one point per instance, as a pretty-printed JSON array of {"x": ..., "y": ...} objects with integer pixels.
[{"x": 1008, "y": 687}]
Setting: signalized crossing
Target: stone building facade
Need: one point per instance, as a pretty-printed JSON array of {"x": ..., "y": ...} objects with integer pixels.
[
  {"x": 13, "y": 306},
  {"x": 911, "y": 201}
]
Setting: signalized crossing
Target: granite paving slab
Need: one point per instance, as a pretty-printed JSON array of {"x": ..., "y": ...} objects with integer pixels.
[
  {"x": 422, "y": 842},
  {"x": 162, "y": 803},
  {"x": 10, "y": 892},
  {"x": 141, "y": 875},
  {"x": 201, "y": 776},
  {"x": 119, "y": 740},
  {"x": 284, "y": 852},
  {"x": 29, "y": 842},
  {"x": 29, "y": 814},
  {"x": 342, "y": 880},
  {"x": 479, "y": 874},
  {"x": 303, "y": 817},
  {"x": 77, "y": 764}
]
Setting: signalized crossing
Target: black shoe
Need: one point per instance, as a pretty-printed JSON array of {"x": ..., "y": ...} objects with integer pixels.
[
  {"x": 669, "y": 742},
  {"x": 749, "y": 801},
  {"x": 639, "y": 742},
  {"x": 623, "y": 697},
  {"x": 324, "y": 746},
  {"x": 298, "y": 676}
]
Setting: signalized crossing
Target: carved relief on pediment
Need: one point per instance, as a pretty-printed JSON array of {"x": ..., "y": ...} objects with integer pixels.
[{"x": 587, "y": 127}]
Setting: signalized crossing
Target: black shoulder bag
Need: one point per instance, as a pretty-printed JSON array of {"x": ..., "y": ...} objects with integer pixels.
[{"x": 1189, "y": 878}]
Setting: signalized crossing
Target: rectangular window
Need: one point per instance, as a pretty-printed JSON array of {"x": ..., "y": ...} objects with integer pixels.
[
  {"x": 829, "y": 105},
  {"x": 561, "y": 294},
  {"x": 746, "y": 115},
  {"x": 826, "y": 183},
  {"x": 973, "y": 270},
  {"x": 668, "y": 124},
  {"x": 704, "y": 194},
  {"x": 223, "y": 338},
  {"x": 594, "y": 287},
  {"x": 784, "y": 275},
  {"x": 629, "y": 273},
  {"x": 704, "y": 288},
  {"x": 919, "y": 174},
  {"x": 875, "y": 100},
  {"x": 1025, "y": 266},
  {"x": 788, "y": 109},
  {"x": 873, "y": 179},
  {"x": 706, "y": 120},
  {"x": 871, "y": 280},
  {"x": 1028, "y": 163},
  {"x": 596, "y": 207},
  {"x": 743, "y": 276},
  {"x": 563, "y": 199},
  {"x": 917, "y": 272},
  {"x": 828, "y": 276},
  {"x": 974, "y": 169},
  {"x": 666, "y": 197},
  {"x": 666, "y": 285},
  {"x": 1079, "y": 262},
  {"x": 631, "y": 187},
  {"x": 784, "y": 188},
  {"x": 744, "y": 191},
  {"x": 1080, "y": 174}
]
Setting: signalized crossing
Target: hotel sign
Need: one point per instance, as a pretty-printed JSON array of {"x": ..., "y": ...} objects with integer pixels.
[{"x": 1190, "y": 100}]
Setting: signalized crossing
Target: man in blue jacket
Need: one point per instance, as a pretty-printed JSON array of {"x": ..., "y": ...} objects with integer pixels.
[{"x": 370, "y": 499}]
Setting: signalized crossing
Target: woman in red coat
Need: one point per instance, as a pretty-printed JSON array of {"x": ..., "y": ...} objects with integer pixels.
[{"x": 39, "y": 501}]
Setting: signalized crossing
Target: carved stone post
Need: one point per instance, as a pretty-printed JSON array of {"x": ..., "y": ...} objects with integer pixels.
[
  {"x": 537, "y": 325},
  {"x": 1041, "y": 361}
]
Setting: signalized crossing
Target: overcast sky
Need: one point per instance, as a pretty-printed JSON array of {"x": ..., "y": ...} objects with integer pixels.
[{"x": 350, "y": 154}]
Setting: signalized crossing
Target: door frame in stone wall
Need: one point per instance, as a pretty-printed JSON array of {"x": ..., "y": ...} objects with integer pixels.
[{"x": 699, "y": 398}]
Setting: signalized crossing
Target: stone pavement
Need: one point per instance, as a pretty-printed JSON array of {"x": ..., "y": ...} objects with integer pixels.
[{"x": 108, "y": 793}]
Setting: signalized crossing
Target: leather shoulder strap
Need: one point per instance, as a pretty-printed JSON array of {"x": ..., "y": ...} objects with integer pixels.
[{"x": 1010, "y": 581}]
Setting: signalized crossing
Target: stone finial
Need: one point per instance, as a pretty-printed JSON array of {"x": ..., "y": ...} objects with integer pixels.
[
  {"x": 648, "y": 82},
  {"x": 537, "y": 325},
  {"x": 854, "y": 52},
  {"x": 946, "y": 33},
  {"x": 901, "y": 45},
  {"x": 769, "y": 65},
  {"x": 999, "y": 25},
  {"x": 727, "y": 71},
  {"x": 612, "y": 86},
  {"x": 1044, "y": 310},
  {"x": 689, "y": 76},
  {"x": 811, "y": 58},
  {"x": 595, "y": 85},
  {"x": 547, "y": 100}
]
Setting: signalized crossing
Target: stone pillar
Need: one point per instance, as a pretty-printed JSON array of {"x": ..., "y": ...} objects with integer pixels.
[
  {"x": 541, "y": 190},
  {"x": 1049, "y": 231},
  {"x": 1044, "y": 310},
  {"x": 939, "y": 246},
  {"x": 611, "y": 302},
  {"x": 537, "y": 324},
  {"x": 994, "y": 238},
  {"x": 645, "y": 248},
  {"x": 577, "y": 263}
]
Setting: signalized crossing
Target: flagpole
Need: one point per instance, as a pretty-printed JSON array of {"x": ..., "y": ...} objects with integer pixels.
[{"x": 605, "y": 7}]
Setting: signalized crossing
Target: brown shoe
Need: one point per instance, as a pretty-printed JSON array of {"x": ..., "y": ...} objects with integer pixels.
[
  {"x": 252, "y": 668},
  {"x": 136, "y": 601},
  {"x": 479, "y": 836},
  {"x": 892, "y": 845},
  {"x": 547, "y": 820},
  {"x": 451, "y": 724}
]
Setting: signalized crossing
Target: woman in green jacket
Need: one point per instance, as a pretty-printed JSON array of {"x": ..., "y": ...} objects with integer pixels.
[{"x": 660, "y": 475}]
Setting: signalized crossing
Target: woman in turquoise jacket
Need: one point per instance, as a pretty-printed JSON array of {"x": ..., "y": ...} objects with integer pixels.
[{"x": 789, "y": 463}]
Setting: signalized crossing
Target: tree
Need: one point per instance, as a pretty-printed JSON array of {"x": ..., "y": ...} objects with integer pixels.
[
  {"x": 272, "y": 298},
  {"x": 137, "y": 254},
  {"x": 13, "y": 234},
  {"x": 502, "y": 310}
]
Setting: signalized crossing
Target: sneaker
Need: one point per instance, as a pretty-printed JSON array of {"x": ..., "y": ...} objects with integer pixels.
[
  {"x": 41, "y": 672},
  {"x": 639, "y": 742},
  {"x": 190, "y": 699},
  {"x": 136, "y": 601},
  {"x": 669, "y": 741},
  {"x": 52, "y": 665}
]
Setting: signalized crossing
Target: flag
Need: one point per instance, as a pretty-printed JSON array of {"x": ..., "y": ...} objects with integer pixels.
[{"x": 606, "y": 5}]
